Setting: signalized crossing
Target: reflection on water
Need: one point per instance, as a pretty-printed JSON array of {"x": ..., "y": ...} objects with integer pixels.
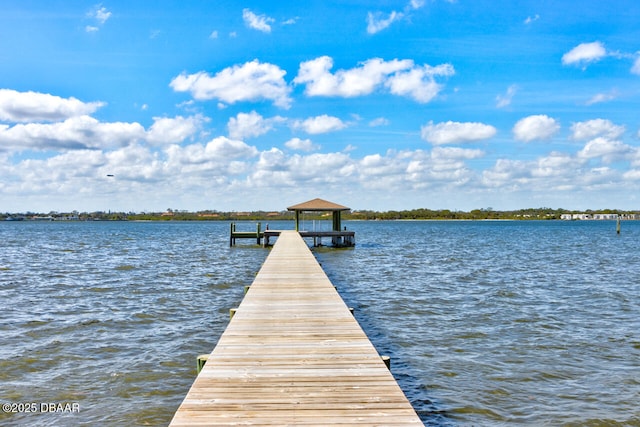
[{"x": 487, "y": 323}]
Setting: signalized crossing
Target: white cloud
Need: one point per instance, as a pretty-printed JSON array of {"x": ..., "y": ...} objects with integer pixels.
[
  {"x": 167, "y": 130},
  {"x": 319, "y": 124},
  {"x": 596, "y": 128},
  {"x": 347, "y": 83},
  {"x": 377, "y": 165},
  {"x": 531, "y": 19},
  {"x": 225, "y": 148},
  {"x": 380, "y": 121},
  {"x": 80, "y": 132},
  {"x": 584, "y": 53},
  {"x": 219, "y": 162},
  {"x": 456, "y": 153},
  {"x": 401, "y": 77},
  {"x": 20, "y": 107},
  {"x": 602, "y": 97},
  {"x": 252, "y": 81},
  {"x": 248, "y": 125},
  {"x": 213, "y": 35},
  {"x": 301, "y": 144},
  {"x": 537, "y": 127},
  {"x": 376, "y": 21},
  {"x": 605, "y": 149},
  {"x": 418, "y": 83},
  {"x": 554, "y": 165},
  {"x": 455, "y": 132},
  {"x": 635, "y": 69},
  {"x": 101, "y": 15},
  {"x": 85, "y": 132},
  {"x": 257, "y": 22},
  {"x": 275, "y": 170},
  {"x": 505, "y": 100}
]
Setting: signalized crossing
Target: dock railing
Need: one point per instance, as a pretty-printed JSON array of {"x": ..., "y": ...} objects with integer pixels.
[{"x": 342, "y": 238}]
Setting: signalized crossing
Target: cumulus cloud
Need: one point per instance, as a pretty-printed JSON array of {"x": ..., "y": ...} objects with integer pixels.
[
  {"x": 22, "y": 107},
  {"x": 257, "y": 22},
  {"x": 301, "y": 144},
  {"x": 82, "y": 132},
  {"x": 418, "y": 83},
  {"x": 220, "y": 150},
  {"x": 248, "y": 125},
  {"x": 166, "y": 130},
  {"x": 319, "y": 124},
  {"x": 87, "y": 133},
  {"x": 252, "y": 81},
  {"x": 346, "y": 83},
  {"x": 584, "y": 53},
  {"x": 400, "y": 77},
  {"x": 455, "y": 132},
  {"x": 537, "y": 127},
  {"x": 596, "y": 128},
  {"x": 606, "y": 149}
]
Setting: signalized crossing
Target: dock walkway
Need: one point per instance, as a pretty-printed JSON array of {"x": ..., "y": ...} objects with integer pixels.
[{"x": 293, "y": 354}]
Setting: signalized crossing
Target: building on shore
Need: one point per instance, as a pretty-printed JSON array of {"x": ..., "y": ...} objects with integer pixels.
[{"x": 599, "y": 217}]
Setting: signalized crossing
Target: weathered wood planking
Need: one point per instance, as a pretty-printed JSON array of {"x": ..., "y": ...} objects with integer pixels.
[{"x": 293, "y": 354}]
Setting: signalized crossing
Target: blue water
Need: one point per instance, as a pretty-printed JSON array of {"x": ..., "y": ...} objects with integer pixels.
[{"x": 487, "y": 323}]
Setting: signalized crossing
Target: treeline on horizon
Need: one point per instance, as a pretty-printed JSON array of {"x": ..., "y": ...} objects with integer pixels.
[{"x": 413, "y": 214}]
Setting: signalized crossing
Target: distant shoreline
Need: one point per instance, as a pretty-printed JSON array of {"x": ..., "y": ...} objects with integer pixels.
[{"x": 354, "y": 215}]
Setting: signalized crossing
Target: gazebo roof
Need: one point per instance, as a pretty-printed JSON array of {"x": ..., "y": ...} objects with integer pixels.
[{"x": 318, "y": 205}]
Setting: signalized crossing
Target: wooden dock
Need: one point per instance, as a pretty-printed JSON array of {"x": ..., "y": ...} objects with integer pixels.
[
  {"x": 293, "y": 354},
  {"x": 339, "y": 238}
]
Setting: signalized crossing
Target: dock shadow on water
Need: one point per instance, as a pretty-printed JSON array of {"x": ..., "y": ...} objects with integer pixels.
[{"x": 487, "y": 323}]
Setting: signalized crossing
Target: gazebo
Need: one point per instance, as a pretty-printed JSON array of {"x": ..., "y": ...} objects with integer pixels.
[{"x": 338, "y": 236}]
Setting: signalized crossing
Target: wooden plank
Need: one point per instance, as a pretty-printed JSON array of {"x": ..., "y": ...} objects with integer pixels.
[{"x": 293, "y": 354}]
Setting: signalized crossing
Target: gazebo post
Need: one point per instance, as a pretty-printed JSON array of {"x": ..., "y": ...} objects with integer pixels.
[
  {"x": 297, "y": 220},
  {"x": 336, "y": 220}
]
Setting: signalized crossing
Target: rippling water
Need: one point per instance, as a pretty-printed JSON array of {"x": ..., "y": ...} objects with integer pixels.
[
  {"x": 487, "y": 323},
  {"x": 503, "y": 323}
]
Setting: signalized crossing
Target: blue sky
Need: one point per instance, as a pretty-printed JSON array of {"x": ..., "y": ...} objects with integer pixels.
[{"x": 382, "y": 105}]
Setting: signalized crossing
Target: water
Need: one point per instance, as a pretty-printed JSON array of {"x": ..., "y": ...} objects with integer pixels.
[{"x": 487, "y": 323}]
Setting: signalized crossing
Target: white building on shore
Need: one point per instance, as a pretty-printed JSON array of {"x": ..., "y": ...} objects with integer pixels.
[{"x": 599, "y": 217}]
